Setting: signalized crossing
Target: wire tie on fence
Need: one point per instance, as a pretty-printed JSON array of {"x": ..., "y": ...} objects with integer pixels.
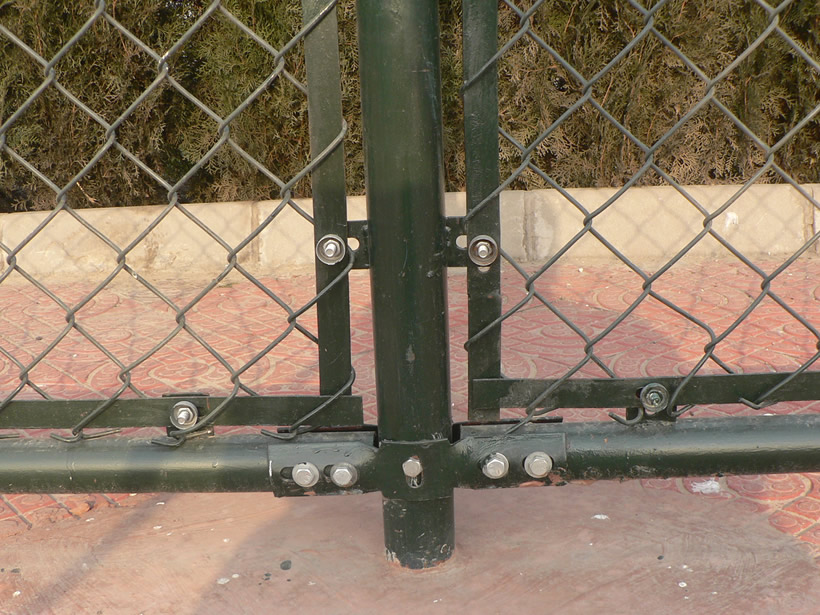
[
  {"x": 519, "y": 424},
  {"x": 671, "y": 411},
  {"x": 639, "y": 417},
  {"x": 756, "y": 405},
  {"x": 177, "y": 440},
  {"x": 297, "y": 429},
  {"x": 291, "y": 434},
  {"x": 169, "y": 441},
  {"x": 84, "y": 436}
]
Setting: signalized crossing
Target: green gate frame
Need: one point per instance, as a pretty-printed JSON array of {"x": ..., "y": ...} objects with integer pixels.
[{"x": 417, "y": 456}]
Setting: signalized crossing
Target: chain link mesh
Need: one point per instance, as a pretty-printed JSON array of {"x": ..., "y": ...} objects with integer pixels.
[
  {"x": 650, "y": 289},
  {"x": 527, "y": 148},
  {"x": 182, "y": 299}
]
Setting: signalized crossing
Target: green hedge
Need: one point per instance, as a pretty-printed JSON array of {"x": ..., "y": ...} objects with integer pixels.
[{"x": 648, "y": 92}]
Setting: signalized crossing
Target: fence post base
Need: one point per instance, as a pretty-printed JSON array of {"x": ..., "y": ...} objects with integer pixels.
[{"x": 419, "y": 534}]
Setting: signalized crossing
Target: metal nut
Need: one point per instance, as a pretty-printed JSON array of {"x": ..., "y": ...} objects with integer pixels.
[
  {"x": 654, "y": 397},
  {"x": 330, "y": 249},
  {"x": 411, "y": 467},
  {"x": 483, "y": 250},
  {"x": 344, "y": 475},
  {"x": 538, "y": 464},
  {"x": 305, "y": 474},
  {"x": 184, "y": 414},
  {"x": 495, "y": 466}
]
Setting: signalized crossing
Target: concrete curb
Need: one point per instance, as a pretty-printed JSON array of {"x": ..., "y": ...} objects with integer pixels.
[{"x": 647, "y": 225}]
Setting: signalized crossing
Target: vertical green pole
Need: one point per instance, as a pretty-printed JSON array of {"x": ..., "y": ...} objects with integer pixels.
[
  {"x": 481, "y": 153},
  {"x": 329, "y": 201},
  {"x": 401, "y": 110}
]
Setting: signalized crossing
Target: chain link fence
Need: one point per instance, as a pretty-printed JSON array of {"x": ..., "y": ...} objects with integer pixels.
[
  {"x": 49, "y": 322},
  {"x": 698, "y": 313},
  {"x": 703, "y": 317},
  {"x": 655, "y": 311}
]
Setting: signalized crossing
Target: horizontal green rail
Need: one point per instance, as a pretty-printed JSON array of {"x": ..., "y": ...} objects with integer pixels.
[
  {"x": 764, "y": 444},
  {"x": 120, "y": 465},
  {"x": 625, "y": 392},
  {"x": 156, "y": 412}
]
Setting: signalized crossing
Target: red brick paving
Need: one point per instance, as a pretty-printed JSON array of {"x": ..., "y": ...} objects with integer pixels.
[{"x": 239, "y": 321}]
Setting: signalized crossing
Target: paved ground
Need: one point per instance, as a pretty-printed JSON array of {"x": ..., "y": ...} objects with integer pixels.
[
  {"x": 605, "y": 547},
  {"x": 733, "y": 543}
]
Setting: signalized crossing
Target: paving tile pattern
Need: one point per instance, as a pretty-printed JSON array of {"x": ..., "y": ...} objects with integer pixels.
[{"x": 238, "y": 320}]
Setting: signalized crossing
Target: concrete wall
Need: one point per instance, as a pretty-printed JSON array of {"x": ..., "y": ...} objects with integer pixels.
[
  {"x": 652, "y": 224},
  {"x": 646, "y": 224}
]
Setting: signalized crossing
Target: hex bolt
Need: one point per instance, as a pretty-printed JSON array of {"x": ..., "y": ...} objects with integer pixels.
[
  {"x": 184, "y": 414},
  {"x": 495, "y": 466},
  {"x": 305, "y": 474},
  {"x": 483, "y": 250},
  {"x": 330, "y": 249},
  {"x": 538, "y": 464},
  {"x": 654, "y": 397},
  {"x": 344, "y": 475},
  {"x": 411, "y": 467}
]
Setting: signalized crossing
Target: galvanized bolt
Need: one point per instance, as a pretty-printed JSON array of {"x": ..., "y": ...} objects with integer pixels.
[
  {"x": 344, "y": 475},
  {"x": 411, "y": 467},
  {"x": 654, "y": 397},
  {"x": 495, "y": 466},
  {"x": 330, "y": 249},
  {"x": 184, "y": 414},
  {"x": 305, "y": 474},
  {"x": 538, "y": 464},
  {"x": 483, "y": 250}
]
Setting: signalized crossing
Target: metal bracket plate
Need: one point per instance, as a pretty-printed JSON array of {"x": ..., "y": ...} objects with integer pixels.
[
  {"x": 445, "y": 465},
  {"x": 453, "y": 229}
]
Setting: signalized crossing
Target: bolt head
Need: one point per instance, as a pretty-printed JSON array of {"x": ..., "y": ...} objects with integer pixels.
[
  {"x": 496, "y": 466},
  {"x": 305, "y": 474},
  {"x": 654, "y": 397},
  {"x": 411, "y": 467},
  {"x": 538, "y": 464},
  {"x": 330, "y": 249},
  {"x": 343, "y": 475},
  {"x": 483, "y": 250},
  {"x": 184, "y": 414}
]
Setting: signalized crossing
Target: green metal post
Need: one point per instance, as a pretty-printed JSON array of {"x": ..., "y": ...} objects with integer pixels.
[
  {"x": 481, "y": 152},
  {"x": 401, "y": 110},
  {"x": 329, "y": 201}
]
